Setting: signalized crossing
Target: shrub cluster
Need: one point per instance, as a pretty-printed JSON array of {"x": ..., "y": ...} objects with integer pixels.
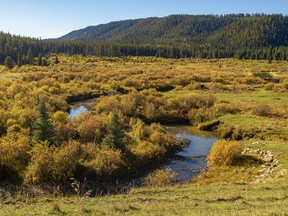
[
  {"x": 153, "y": 106},
  {"x": 97, "y": 147}
]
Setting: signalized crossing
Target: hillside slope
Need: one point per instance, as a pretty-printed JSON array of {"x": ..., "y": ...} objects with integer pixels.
[{"x": 221, "y": 31}]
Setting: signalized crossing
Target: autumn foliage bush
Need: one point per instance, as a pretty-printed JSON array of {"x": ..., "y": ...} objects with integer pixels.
[
  {"x": 262, "y": 110},
  {"x": 160, "y": 178},
  {"x": 153, "y": 106},
  {"x": 14, "y": 155},
  {"x": 102, "y": 161},
  {"x": 224, "y": 152}
]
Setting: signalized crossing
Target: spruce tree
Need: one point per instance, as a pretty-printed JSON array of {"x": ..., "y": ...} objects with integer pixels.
[
  {"x": 9, "y": 63},
  {"x": 56, "y": 61},
  {"x": 115, "y": 136},
  {"x": 30, "y": 56},
  {"x": 40, "y": 60},
  {"x": 43, "y": 129},
  {"x": 19, "y": 60}
]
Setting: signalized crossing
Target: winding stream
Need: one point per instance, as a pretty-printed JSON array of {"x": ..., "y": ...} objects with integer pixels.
[
  {"x": 189, "y": 162},
  {"x": 186, "y": 163}
]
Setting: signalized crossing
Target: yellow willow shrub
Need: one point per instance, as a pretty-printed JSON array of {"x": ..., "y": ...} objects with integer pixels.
[
  {"x": 224, "y": 152},
  {"x": 65, "y": 131},
  {"x": 145, "y": 151},
  {"x": 27, "y": 117},
  {"x": 60, "y": 116},
  {"x": 163, "y": 139},
  {"x": 203, "y": 114},
  {"x": 3, "y": 120},
  {"x": 103, "y": 161},
  {"x": 40, "y": 168},
  {"x": 14, "y": 148},
  {"x": 108, "y": 104},
  {"x": 262, "y": 110},
  {"x": 131, "y": 103},
  {"x": 66, "y": 159},
  {"x": 50, "y": 164},
  {"x": 91, "y": 128},
  {"x": 227, "y": 107},
  {"x": 160, "y": 178},
  {"x": 139, "y": 129},
  {"x": 269, "y": 86}
]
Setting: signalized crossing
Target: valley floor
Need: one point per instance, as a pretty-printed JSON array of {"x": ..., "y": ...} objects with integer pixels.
[{"x": 236, "y": 190}]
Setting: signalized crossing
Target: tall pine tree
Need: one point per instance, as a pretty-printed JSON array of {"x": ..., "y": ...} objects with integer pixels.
[
  {"x": 115, "y": 136},
  {"x": 43, "y": 129},
  {"x": 19, "y": 60},
  {"x": 40, "y": 59}
]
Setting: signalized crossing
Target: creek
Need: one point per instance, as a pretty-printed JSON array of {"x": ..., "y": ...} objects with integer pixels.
[{"x": 187, "y": 163}]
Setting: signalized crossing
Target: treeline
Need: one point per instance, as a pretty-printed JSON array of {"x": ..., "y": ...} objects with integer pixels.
[
  {"x": 232, "y": 36},
  {"x": 29, "y": 51}
]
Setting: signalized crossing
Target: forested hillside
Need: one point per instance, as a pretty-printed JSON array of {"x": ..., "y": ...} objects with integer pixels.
[
  {"x": 175, "y": 28},
  {"x": 177, "y": 36}
]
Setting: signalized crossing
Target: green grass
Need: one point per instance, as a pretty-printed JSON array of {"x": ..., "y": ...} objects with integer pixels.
[
  {"x": 258, "y": 96},
  {"x": 216, "y": 199},
  {"x": 271, "y": 128}
]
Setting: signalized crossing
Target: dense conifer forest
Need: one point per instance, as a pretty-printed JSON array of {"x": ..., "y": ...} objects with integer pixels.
[{"x": 240, "y": 36}]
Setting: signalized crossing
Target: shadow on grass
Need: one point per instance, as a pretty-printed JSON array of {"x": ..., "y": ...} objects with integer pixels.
[{"x": 248, "y": 160}]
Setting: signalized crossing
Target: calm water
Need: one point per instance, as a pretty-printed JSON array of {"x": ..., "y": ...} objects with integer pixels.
[
  {"x": 187, "y": 163},
  {"x": 191, "y": 160},
  {"x": 76, "y": 110}
]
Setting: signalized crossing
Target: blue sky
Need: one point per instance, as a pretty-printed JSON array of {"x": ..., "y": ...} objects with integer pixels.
[{"x": 54, "y": 18}]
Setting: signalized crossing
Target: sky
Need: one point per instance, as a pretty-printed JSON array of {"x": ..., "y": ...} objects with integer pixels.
[{"x": 55, "y": 18}]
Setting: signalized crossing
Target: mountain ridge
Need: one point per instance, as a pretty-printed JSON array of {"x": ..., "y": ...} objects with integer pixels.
[
  {"x": 195, "y": 29},
  {"x": 240, "y": 36}
]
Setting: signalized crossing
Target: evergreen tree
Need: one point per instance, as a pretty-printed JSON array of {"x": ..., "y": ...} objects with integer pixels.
[
  {"x": 19, "y": 60},
  {"x": 56, "y": 61},
  {"x": 44, "y": 130},
  {"x": 9, "y": 63},
  {"x": 40, "y": 62},
  {"x": 30, "y": 57},
  {"x": 115, "y": 136}
]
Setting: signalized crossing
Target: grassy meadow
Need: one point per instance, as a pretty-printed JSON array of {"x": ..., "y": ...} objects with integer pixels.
[{"x": 248, "y": 98}]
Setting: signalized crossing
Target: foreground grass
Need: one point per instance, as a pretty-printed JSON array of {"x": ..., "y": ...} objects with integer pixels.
[{"x": 215, "y": 199}]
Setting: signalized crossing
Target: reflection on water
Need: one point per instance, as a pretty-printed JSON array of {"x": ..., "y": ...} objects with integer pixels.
[
  {"x": 77, "y": 108},
  {"x": 191, "y": 160},
  {"x": 75, "y": 111}
]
